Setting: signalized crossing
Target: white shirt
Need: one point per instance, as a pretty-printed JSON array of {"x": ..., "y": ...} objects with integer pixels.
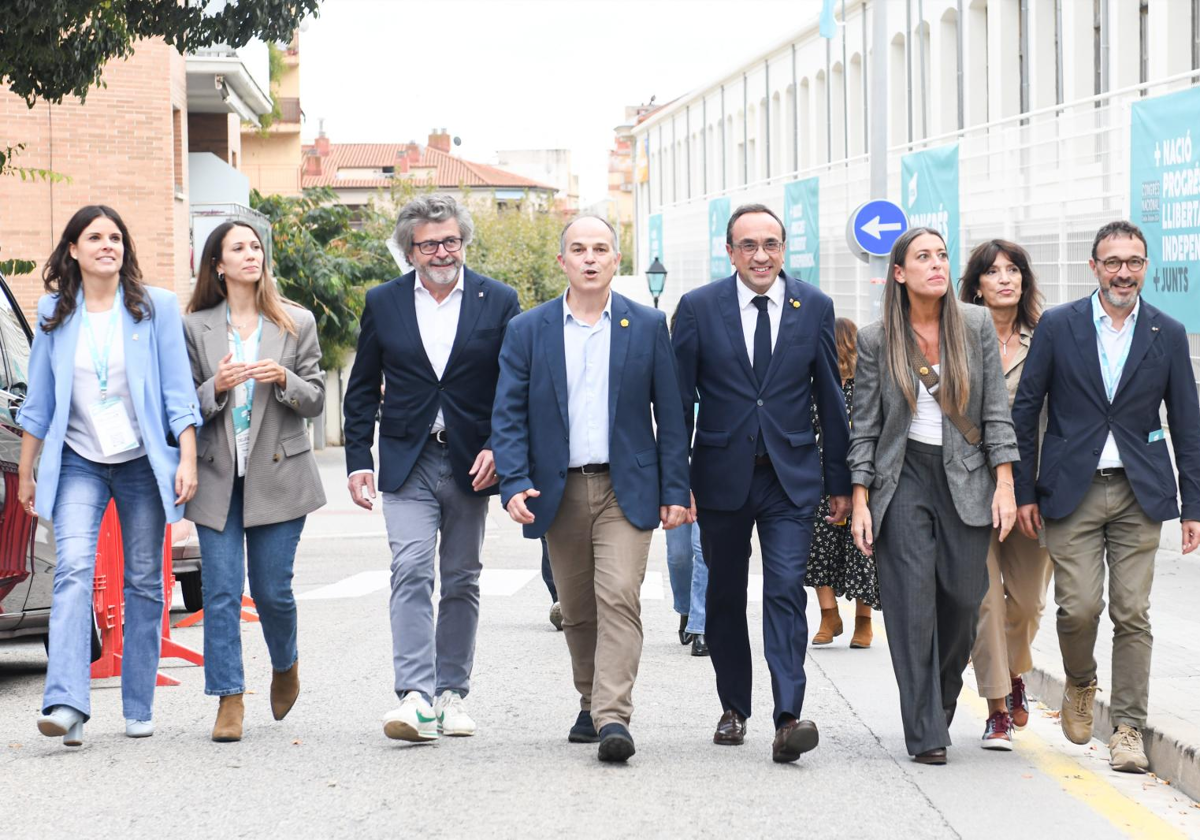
[
  {"x": 749, "y": 311},
  {"x": 926, "y": 425},
  {"x": 587, "y": 354},
  {"x": 1112, "y": 345},
  {"x": 438, "y": 323},
  {"x": 85, "y": 389}
]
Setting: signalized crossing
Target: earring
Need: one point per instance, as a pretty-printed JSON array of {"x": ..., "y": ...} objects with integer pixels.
[
  {"x": 221, "y": 277},
  {"x": 978, "y": 297}
]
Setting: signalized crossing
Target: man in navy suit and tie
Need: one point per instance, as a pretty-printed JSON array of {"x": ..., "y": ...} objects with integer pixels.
[
  {"x": 757, "y": 350},
  {"x": 586, "y": 380},
  {"x": 1105, "y": 484},
  {"x": 433, "y": 336}
]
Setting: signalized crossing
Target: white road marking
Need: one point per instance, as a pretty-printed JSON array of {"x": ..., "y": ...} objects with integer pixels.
[
  {"x": 355, "y": 586},
  {"x": 504, "y": 581},
  {"x": 652, "y": 587}
]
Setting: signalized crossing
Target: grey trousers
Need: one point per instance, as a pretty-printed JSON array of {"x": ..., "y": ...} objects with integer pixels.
[
  {"x": 932, "y": 576},
  {"x": 426, "y": 659}
]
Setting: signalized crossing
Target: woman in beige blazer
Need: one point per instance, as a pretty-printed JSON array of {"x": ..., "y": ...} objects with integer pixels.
[
  {"x": 256, "y": 366},
  {"x": 998, "y": 276}
]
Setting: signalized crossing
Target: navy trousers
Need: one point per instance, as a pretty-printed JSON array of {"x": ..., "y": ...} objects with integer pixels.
[{"x": 785, "y": 535}]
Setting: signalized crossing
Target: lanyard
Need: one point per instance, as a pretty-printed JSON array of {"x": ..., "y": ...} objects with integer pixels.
[
  {"x": 99, "y": 359},
  {"x": 239, "y": 349},
  {"x": 1113, "y": 377}
]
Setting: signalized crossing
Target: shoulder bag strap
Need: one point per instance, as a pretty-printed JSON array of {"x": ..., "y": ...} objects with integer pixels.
[{"x": 929, "y": 378}]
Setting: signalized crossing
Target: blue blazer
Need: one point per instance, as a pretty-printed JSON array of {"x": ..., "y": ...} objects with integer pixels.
[
  {"x": 160, "y": 386},
  {"x": 390, "y": 349},
  {"x": 530, "y": 425},
  {"x": 1064, "y": 365},
  {"x": 715, "y": 368}
]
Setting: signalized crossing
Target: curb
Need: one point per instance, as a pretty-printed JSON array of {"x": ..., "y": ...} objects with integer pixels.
[{"x": 1170, "y": 759}]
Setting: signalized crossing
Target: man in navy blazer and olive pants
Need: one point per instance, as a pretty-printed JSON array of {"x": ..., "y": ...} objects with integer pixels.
[
  {"x": 585, "y": 379},
  {"x": 757, "y": 349}
]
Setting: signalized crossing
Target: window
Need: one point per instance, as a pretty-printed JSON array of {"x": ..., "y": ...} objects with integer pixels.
[
  {"x": 14, "y": 353},
  {"x": 1143, "y": 43}
]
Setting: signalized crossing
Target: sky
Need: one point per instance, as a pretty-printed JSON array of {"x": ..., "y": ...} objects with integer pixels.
[{"x": 533, "y": 74}]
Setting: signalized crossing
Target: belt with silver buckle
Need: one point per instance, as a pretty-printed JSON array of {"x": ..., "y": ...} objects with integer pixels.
[
  {"x": 1109, "y": 472},
  {"x": 438, "y": 437},
  {"x": 589, "y": 469}
]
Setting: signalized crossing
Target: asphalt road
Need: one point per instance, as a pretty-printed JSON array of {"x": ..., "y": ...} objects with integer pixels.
[{"x": 328, "y": 771}]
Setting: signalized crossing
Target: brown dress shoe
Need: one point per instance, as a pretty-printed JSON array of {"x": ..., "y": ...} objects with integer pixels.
[
  {"x": 831, "y": 625},
  {"x": 793, "y": 739},
  {"x": 863, "y": 634},
  {"x": 229, "y": 719},
  {"x": 285, "y": 688},
  {"x": 935, "y": 756},
  {"x": 731, "y": 730}
]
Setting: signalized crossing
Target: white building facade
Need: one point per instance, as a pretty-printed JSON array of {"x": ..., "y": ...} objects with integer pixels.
[{"x": 1035, "y": 93}]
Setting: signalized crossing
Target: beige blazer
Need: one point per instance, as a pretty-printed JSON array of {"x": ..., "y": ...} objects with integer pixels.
[{"x": 282, "y": 481}]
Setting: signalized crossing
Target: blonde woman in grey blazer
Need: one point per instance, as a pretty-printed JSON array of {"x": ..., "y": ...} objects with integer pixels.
[
  {"x": 256, "y": 365},
  {"x": 922, "y": 494}
]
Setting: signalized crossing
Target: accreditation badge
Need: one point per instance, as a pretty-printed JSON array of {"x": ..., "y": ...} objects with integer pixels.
[{"x": 113, "y": 427}]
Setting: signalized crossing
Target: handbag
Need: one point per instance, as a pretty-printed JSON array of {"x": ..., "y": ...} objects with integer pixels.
[{"x": 930, "y": 380}]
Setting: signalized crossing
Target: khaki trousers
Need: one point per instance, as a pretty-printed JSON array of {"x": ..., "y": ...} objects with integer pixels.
[
  {"x": 1109, "y": 527},
  {"x": 1018, "y": 575},
  {"x": 599, "y": 561}
]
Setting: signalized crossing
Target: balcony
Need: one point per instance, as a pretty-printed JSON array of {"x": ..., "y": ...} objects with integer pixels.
[
  {"x": 289, "y": 107},
  {"x": 223, "y": 80}
]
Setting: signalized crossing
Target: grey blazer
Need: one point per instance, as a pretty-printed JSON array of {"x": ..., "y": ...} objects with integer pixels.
[
  {"x": 879, "y": 428},
  {"x": 282, "y": 481}
]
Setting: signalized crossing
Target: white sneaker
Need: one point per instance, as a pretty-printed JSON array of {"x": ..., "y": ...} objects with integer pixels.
[
  {"x": 414, "y": 720},
  {"x": 451, "y": 716}
]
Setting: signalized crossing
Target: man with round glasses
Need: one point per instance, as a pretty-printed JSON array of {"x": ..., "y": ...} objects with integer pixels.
[
  {"x": 433, "y": 336},
  {"x": 1105, "y": 483}
]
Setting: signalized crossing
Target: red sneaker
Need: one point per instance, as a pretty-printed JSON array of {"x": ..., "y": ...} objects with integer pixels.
[
  {"x": 1018, "y": 704},
  {"x": 997, "y": 735}
]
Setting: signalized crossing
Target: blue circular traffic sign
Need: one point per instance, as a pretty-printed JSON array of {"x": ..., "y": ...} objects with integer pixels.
[{"x": 875, "y": 226}]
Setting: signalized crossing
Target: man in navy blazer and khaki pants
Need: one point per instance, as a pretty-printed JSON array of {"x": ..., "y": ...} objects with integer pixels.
[
  {"x": 433, "y": 337},
  {"x": 757, "y": 349},
  {"x": 585, "y": 379},
  {"x": 1105, "y": 485}
]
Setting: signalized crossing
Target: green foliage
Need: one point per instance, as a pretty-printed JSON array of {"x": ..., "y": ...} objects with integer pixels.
[
  {"x": 51, "y": 49},
  {"x": 11, "y": 268},
  {"x": 626, "y": 245},
  {"x": 323, "y": 264},
  {"x": 520, "y": 249},
  {"x": 275, "y": 57},
  {"x": 7, "y": 167}
]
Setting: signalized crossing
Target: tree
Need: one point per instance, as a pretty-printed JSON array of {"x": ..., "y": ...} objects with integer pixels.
[
  {"x": 51, "y": 49},
  {"x": 519, "y": 249},
  {"x": 324, "y": 264}
]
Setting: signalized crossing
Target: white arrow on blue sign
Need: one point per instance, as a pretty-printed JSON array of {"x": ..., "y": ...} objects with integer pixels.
[{"x": 875, "y": 226}]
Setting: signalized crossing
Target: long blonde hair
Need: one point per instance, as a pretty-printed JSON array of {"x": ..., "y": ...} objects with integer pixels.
[
  {"x": 954, "y": 385},
  {"x": 210, "y": 289}
]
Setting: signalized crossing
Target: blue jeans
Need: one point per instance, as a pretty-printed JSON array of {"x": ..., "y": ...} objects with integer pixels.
[
  {"x": 272, "y": 551},
  {"x": 688, "y": 573},
  {"x": 84, "y": 491}
]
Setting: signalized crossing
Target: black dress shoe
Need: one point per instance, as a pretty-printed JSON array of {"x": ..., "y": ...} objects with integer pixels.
[
  {"x": 731, "y": 730},
  {"x": 684, "y": 636},
  {"x": 699, "y": 646},
  {"x": 793, "y": 739},
  {"x": 583, "y": 732},
  {"x": 616, "y": 744},
  {"x": 935, "y": 756}
]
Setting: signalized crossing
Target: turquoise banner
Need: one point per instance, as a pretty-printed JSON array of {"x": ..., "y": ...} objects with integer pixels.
[
  {"x": 929, "y": 196},
  {"x": 801, "y": 203},
  {"x": 1164, "y": 199},
  {"x": 656, "y": 239},
  {"x": 718, "y": 258}
]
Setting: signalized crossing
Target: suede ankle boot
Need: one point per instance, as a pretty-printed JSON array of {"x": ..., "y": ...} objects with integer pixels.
[
  {"x": 863, "y": 634},
  {"x": 285, "y": 688},
  {"x": 229, "y": 719},
  {"x": 831, "y": 625}
]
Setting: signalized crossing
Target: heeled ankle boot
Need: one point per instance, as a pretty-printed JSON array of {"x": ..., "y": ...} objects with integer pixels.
[
  {"x": 863, "y": 634},
  {"x": 285, "y": 688},
  {"x": 229, "y": 719},
  {"x": 831, "y": 625}
]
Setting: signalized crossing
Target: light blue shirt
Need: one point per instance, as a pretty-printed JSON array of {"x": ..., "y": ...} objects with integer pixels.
[
  {"x": 587, "y": 352},
  {"x": 1112, "y": 345}
]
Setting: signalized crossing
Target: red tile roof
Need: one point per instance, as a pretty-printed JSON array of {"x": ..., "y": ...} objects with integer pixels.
[{"x": 449, "y": 171}]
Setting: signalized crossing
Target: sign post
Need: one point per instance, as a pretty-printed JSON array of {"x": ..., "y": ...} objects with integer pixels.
[{"x": 873, "y": 228}]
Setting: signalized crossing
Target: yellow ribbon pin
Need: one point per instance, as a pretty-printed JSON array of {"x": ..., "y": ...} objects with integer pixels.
[
  {"x": 795, "y": 304},
  {"x": 924, "y": 371},
  {"x": 624, "y": 322}
]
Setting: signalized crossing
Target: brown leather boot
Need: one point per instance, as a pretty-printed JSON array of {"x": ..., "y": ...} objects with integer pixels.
[
  {"x": 229, "y": 719},
  {"x": 831, "y": 625},
  {"x": 285, "y": 688},
  {"x": 863, "y": 634}
]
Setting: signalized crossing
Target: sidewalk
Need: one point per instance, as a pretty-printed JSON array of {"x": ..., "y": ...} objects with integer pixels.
[{"x": 1172, "y": 734}]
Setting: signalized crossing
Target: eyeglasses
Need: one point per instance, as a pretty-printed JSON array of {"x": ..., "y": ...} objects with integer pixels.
[
  {"x": 750, "y": 248},
  {"x": 430, "y": 246},
  {"x": 1113, "y": 264},
  {"x": 1011, "y": 270}
]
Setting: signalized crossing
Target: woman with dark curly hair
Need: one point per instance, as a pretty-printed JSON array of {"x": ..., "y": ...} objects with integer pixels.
[{"x": 113, "y": 411}]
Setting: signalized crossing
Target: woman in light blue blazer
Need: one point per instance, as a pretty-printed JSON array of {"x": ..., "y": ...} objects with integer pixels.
[{"x": 112, "y": 408}]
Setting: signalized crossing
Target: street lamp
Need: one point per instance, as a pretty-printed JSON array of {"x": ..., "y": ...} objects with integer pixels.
[{"x": 656, "y": 279}]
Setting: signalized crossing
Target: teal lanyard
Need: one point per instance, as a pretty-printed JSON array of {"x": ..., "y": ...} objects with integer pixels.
[
  {"x": 99, "y": 355},
  {"x": 1113, "y": 377},
  {"x": 239, "y": 349}
]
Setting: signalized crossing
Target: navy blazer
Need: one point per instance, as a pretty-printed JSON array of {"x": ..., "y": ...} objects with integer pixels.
[
  {"x": 390, "y": 350},
  {"x": 713, "y": 366},
  {"x": 530, "y": 424},
  {"x": 1064, "y": 365}
]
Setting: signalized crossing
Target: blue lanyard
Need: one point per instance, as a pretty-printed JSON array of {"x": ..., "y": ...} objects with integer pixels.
[
  {"x": 100, "y": 359},
  {"x": 1111, "y": 377},
  {"x": 239, "y": 349}
]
